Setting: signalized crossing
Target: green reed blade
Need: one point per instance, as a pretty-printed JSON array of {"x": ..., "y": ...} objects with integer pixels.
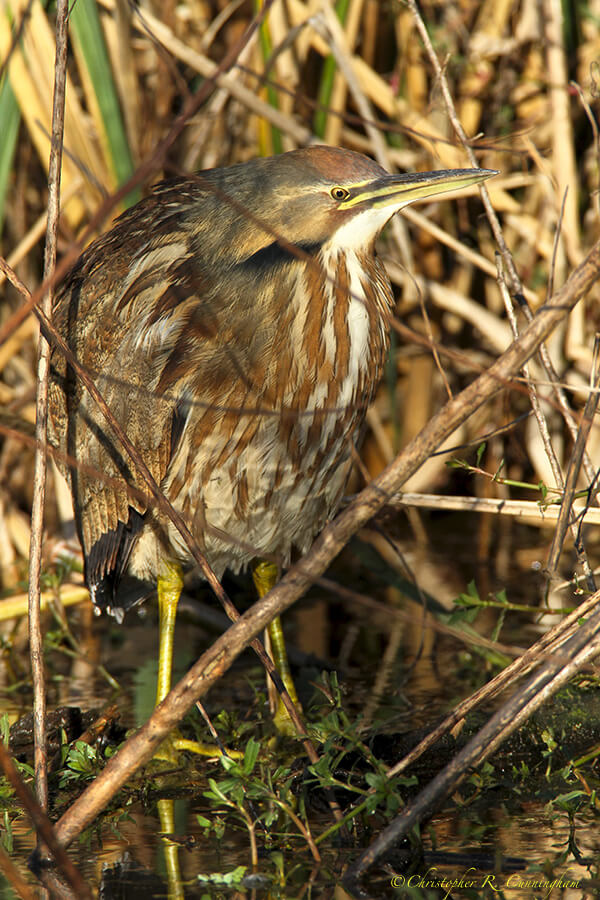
[
  {"x": 10, "y": 118},
  {"x": 87, "y": 33},
  {"x": 264, "y": 38},
  {"x": 327, "y": 79}
]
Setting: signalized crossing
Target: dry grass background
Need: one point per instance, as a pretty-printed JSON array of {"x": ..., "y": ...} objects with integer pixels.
[{"x": 525, "y": 82}]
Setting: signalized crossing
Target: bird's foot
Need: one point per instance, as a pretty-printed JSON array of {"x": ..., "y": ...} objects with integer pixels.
[
  {"x": 283, "y": 721},
  {"x": 171, "y": 748}
]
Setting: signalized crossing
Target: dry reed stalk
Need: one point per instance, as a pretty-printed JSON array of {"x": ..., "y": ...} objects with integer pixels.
[
  {"x": 484, "y": 46},
  {"x": 286, "y": 68},
  {"x": 36, "y": 650},
  {"x": 69, "y": 595},
  {"x": 535, "y": 513},
  {"x": 118, "y": 33},
  {"x": 339, "y": 93}
]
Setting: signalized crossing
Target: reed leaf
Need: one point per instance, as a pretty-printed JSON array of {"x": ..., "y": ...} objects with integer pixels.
[
  {"x": 10, "y": 118},
  {"x": 328, "y": 78},
  {"x": 99, "y": 84},
  {"x": 266, "y": 49}
]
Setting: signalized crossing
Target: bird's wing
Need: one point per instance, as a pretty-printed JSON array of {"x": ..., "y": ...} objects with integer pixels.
[{"x": 123, "y": 321}]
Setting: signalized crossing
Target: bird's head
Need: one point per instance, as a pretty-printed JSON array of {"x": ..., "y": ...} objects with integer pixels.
[{"x": 321, "y": 196}]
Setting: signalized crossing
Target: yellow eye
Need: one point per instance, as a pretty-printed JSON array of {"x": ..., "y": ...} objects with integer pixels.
[{"x": 340, "y": 193}]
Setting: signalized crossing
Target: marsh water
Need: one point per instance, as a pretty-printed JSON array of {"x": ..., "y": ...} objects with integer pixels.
[{"x": 522, "y": 828}]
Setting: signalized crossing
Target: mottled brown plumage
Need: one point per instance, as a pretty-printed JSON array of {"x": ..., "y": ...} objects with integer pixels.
[{"x": 237, "y": 326}]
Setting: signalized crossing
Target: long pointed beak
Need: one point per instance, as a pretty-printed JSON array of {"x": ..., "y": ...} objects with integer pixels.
[{"x": 400, "y": 190}]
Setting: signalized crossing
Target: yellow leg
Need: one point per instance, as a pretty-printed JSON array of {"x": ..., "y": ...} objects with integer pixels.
[
  {"x": 170, "y": 584},
  {"x": 171, "y": 850},
  {"x": 265, "y": 577}
]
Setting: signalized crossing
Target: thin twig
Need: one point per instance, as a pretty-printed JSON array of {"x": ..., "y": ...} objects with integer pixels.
[
  {"x": 555, "y": 246},
  {"x": 36, "y": 649},
  {"x": 428, "y": 620},
  {"x": 531, "y": 387},
  {"x": 565, "y": 519}
]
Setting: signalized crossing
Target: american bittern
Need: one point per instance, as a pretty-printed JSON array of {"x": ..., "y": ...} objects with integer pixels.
[{"x": 237, "y": 324}]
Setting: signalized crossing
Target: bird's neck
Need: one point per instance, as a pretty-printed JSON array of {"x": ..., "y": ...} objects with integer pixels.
[{"x": 339, "y": 326}]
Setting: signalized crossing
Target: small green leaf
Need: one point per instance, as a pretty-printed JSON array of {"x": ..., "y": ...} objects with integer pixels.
[
  {"x": 5, "y": 728},
  {"x": 456, "y": 463},
  {"x": 236, "y": 876},
  {"x": 250, "y": 756},
  {"x": 7, "y": 837}
]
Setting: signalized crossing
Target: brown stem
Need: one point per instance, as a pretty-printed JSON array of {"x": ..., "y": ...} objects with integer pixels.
[
  {"x": 564, "y": 518},
  {"x": 39, "y": 478}
]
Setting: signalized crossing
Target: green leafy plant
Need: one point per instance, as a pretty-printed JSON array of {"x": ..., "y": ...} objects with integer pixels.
[{"x": 82, "y": 762}]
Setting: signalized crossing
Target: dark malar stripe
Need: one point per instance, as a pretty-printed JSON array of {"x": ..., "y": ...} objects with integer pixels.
[{"x": 276, "y": 254}]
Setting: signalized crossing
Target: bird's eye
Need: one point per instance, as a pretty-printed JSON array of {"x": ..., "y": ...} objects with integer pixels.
[{"x": 340, "y": 193}]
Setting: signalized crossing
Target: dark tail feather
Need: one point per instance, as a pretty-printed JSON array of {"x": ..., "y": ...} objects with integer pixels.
[{"x": 111, "y": 588}]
